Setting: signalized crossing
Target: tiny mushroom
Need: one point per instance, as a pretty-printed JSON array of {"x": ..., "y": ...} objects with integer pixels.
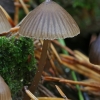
[
  {"x": 4, "y": 23},
  {"x": 5, "y": 26},
  {"x": 48, "y": 21},
  {"x": 5, "y": 93},
  {"x": 94, "y": 52}
]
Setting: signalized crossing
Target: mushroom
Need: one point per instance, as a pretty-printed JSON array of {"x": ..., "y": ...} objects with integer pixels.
[
  {"x": 5, "y": 93},
  {"x": 4, "y": 23},
  {"x": 94, "y": 53},
  {"x": 8, "y": 16},
  {"x": 48, "y": 21},
  {"x": 5, "y": 26}
]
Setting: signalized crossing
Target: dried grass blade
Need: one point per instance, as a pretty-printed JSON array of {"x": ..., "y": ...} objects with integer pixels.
[{"x": 61, "y": 93}]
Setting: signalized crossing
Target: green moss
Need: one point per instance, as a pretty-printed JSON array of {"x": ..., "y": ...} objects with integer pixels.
[{"x": 15, "y": 67}]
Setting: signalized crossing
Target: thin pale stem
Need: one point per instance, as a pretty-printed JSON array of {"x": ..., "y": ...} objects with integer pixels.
[{"x": 38, "y": 74}]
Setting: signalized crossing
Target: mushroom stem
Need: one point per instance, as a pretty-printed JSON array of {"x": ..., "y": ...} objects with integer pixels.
[{"x": 38, "y": 74}]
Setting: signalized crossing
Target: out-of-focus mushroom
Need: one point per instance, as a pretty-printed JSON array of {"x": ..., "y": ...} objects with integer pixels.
[
  {"x": 94, "y": 53},
  {"x": 5, "y": 93},
  {"x": 48, "y": 21},
  {"x": 7, "y": 16},
  {"x": 4, "y": 23}
]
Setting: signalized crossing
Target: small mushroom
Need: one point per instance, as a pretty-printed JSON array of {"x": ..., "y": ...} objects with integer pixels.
[
  {"x": 5, "y": 93},
  {"x": 8, "y": 16},
  {"x": 48, "y": 21},
  {"x": 94, "y": 53},
  {"x": 4, "y": 23}
]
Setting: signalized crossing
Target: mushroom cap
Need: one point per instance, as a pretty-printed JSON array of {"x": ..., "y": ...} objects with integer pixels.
[
  {"x": 94, "y": 52},
  {"x": 4, "y": 24},
  {"x": 49, "y": 21},
  {"x": 5, "y": 93}
]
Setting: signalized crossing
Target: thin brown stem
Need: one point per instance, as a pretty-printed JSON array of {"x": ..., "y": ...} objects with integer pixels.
[
  {"x": 38, "y": 74},
  {"x": 94, "y": 85},
  {"x": 24, "y": 6},
  {"x": 16, "y": 17},
  {"x": 85, "y": 64},
  {"x": 46, "y": 91},
  {"x": 20, "y": 6},
  {"x": 79, "y": 83}
]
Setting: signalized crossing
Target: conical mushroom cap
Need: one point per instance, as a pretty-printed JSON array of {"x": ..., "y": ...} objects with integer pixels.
[
  {"x": 5, "y": 93},
  {"x": 49, "y": 21},
  {"x": 4, "y": 24}
]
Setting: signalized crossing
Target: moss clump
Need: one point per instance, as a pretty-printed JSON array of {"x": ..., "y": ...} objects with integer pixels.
[{"x": 17, "y": 62}]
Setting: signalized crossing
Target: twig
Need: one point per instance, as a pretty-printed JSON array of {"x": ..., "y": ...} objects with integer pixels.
[
  {"x": 64, "y": 47},
  {"x": 78, "y": 68},
  {"x": 53, "y": 65},
  {"x": 79, "y": 83},
  {"x": 24, "y": 6},
  {"x": 19, "y": 5},
  {"x": 70, "y": 81},
  {"x": 85, "y": 64},
  {"x": 16, "y": 16},
  {"x": 80, "y": 55},
  {"x": 30, "y": 94},
  {"x": 73, "y": 74},
  {"x": 46, "y": 91},
  {"x": 61, "y": 93},
  {"x": 90, "y": 89}
]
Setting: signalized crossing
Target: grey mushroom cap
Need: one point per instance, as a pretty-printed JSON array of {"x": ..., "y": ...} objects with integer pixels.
[
  {"x": 5, "y": 93},
  {"x": 4, "y": 23},
  {"x": 49, "y": 21}
]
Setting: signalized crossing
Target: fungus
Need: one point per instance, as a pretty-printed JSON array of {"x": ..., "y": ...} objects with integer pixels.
[
  {"x": 5, "y": 93},
  {"x": 48, "y": 21},
  {"x": 94, "y": 53},
  {"x": 4, "y": 23}
]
